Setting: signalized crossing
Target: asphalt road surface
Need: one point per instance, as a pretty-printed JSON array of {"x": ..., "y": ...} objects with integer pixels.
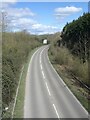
[{"x": 46, "y": 95}]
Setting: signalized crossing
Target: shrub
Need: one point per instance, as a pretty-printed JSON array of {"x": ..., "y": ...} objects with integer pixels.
[
  {"x": 80, "y": 69},
  {"x": 15, "y": 50},
  {"x": 62, "y": 56}
]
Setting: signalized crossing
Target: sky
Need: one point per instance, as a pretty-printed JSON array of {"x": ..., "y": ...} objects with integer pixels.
[{"x": 42, "y": 17}]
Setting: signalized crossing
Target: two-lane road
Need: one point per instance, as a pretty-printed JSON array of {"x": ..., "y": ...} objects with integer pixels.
[{"x": 46, "y": 95}]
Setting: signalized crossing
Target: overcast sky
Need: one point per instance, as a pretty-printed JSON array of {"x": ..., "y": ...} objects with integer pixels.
[{"x": 42, "y": 17}]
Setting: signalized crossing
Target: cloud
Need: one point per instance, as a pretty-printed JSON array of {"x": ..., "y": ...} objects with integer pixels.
[
  {"x": 68, "y": 10},
  {"x": 18, "y": 12},
  {"x": 19, "y": 17},
  {"x": 31, "y": 25},
  {"x": 23, "y": 18},
  {"x": 11, "y": 1},
  {"x": 63, "y": 12},
  {"x": 44, "y": 29},
  {"x": 7, "y": 3},
  {"x": 22, "y": 21}
]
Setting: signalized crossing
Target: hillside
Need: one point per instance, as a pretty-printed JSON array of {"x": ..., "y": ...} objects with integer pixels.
[
  {"x": 15, "y": 50},
  {"x": 71, "y": 57}
]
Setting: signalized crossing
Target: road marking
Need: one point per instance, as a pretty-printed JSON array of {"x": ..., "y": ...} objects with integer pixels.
[
  {"x": 47, "y": 84},
  {"x": 28, "y": 72},
  {"x": 43, "y": 74},
  {"x": 40, "y": 58},
  {"x": 40, "y": 55},
  {"x": 67, "y": 87},
  {"x": 42, "y": 52},
  {"x": 41, "y": 66},
  {"x": 56, "y": 110},
  {"x": 40, "y": 61},
  {"x": 48, "y": 89}
]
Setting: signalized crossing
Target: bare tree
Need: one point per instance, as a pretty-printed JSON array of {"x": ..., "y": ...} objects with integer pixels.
[{"x": 3, "y": 21}]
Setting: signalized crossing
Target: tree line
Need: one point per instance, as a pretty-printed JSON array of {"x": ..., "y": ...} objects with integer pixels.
[
  {"x": 76, "y": 36},
  {"x": 74, "y": 47}
]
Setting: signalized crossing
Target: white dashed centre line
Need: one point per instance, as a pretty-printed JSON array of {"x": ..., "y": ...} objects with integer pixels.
[
  {"x": 48, "y": 89},
  {"x": 56, "y": 110},
  {"x": 40, "y": 61},
  {"x": 41, "y": 66},
  {"x": 47, "y": 84},
  {"x": 43, "y": 74}
]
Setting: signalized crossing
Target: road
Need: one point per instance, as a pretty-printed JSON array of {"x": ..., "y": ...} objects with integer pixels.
[{"x": 46, "y": 95}]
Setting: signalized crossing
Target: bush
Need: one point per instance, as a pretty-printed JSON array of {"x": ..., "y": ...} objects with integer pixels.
[
  {"x": 15, "y": 50},
  {"x": 62, "y": 56},
  {"x": 81, "y": 70}
]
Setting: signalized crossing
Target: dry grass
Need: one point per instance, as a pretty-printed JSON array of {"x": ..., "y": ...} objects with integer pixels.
[{"x": 62, "y": 56}]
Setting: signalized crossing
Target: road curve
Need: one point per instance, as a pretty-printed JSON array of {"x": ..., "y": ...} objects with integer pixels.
[{"x": 46, "y": 95}]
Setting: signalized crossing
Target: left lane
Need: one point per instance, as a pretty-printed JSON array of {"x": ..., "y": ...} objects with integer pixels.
[{"x": 37, "y": 101}]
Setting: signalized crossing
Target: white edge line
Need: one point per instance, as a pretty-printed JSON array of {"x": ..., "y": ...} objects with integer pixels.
[
  {"x": 17, "y": 93},
  {"x": 67, "y": 86},
  {"x": 29, "y": 68},
  {"x": 33, "y": 56},
  {"x": 19, "y": 84}
]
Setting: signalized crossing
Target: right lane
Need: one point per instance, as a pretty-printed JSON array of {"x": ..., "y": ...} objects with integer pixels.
[{"x": 66, "y": 104}]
